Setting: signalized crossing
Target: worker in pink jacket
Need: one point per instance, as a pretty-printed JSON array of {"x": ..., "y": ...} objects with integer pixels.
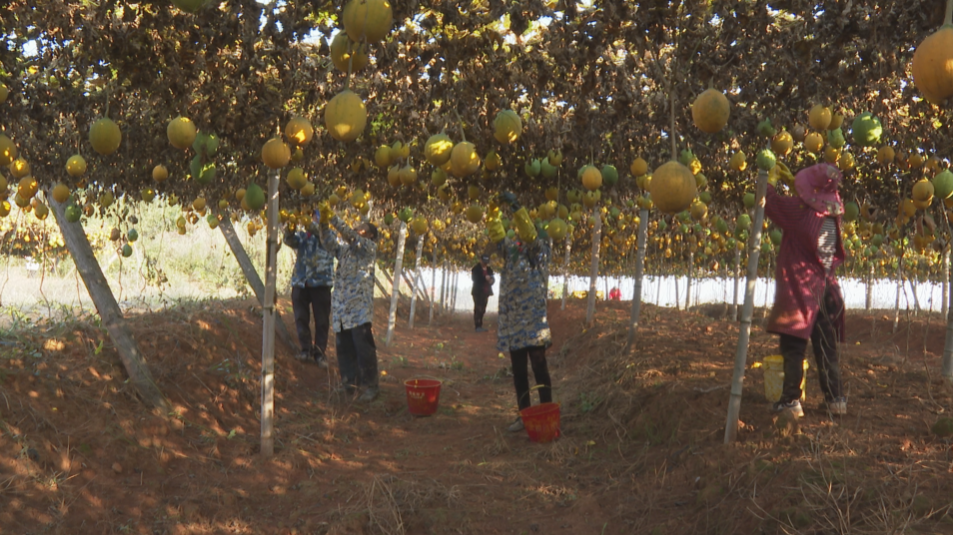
[{"x": 808, "y": 304}]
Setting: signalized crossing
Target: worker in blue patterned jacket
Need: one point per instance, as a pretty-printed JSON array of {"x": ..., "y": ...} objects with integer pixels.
[
  {"x": 352, "y": 305},
  {"x": 311, "y": 284},
  {"x": 523, "y": 328}
]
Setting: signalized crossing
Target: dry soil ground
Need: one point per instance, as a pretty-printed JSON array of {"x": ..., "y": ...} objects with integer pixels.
[{"x": 641, "y": 450}]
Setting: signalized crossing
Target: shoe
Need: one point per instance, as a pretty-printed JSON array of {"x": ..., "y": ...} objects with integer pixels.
[
  {"x": 304, "y": 356},
  {"x": 793, "y": 406},
  {"x": 516, "y": 426},
  {"x": 838, "y": 407},
  {"x": 480, "y": 330},
  {"x": 319, "y": 358},
  {"x": 370, "y": 394}
]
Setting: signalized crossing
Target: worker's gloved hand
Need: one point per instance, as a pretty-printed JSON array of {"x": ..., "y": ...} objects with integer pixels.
[
  {"x": 510, "y": 199},
  {"x": 780, "y": 171},
  {"x": 524, "y": 225},
  {"x": 494, "y": 228},
  {"x": 324, "y": 209}
]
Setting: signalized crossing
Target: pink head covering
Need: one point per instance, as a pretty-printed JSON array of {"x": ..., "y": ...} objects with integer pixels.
[{"x": 817, "y": 187}]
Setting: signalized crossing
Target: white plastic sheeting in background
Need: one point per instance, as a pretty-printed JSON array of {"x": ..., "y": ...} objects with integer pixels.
[{"x": 715, "y": 290}]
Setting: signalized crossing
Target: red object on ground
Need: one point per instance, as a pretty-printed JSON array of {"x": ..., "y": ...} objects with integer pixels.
[
  {"x": 423, "y": 396},
  {"x": 541, "y": 422}
]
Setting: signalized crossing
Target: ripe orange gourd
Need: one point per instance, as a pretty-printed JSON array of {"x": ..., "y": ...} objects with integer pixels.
[
  {"x": 19, "y": 168},
  {"x": 105, "y": 136},
  {"x": 474, "y": 213},
  {"x": 368, "y": 20},
  {"x": 673, "y": 187},
  {"x": 347, "y": 54},
  {"x": 922, "y": 190},
  {"x": 819, "y": 117},
  {"x": 710, "y": 111},
  {"x": 831, "y": 155},
  {"x": 76, "y": 165},
  {"x": 846, "y": 161},
  {"x": 27, "y": 187},
  {"x": 782, "y": 143},
  {"x": 419, "y": 224},
  {"x": 296, "y": 179},
  {"x": 591, "y": 178},
  {"x": 407, "y": 175},
  {"x": 181, "y": 132},
  {"x": 345, "y": 116},
  {"x": 160, "y": 173},
  {"x": 8, "y": 150},
  {"x": 299, "y": 131},
  {"x": 275, "y": 153},
  {"x": 60, "y": 192},
  {"x": 639, "y": 167},
  {"x": 464, "y": 160},
  {"x": 437, "y": 149},
  {"x": 557, "y": 229},
  {"x": 738, "y": 161},
  {"x": 813, "y": 142},
  {"x": 885, "y": 155},
  {"x": 507, "y": 127},
  {"x": 932, "y": 64}
]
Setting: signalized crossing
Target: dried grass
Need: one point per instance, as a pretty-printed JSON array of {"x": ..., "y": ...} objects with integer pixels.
[
  {"x": 604, "y": 380},
  {"x": 389, "y": 502},
  {"x": 498, "y": 445}
]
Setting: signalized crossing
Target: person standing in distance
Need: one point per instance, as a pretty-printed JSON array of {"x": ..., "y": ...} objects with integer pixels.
[
  {"x": 311, "y": 283},
  {"x": 523, "y": 327},
  {"x": 352, "y": 305},
  {"x": 483, "y": 279},
  {"x": 808, "y": 304}
]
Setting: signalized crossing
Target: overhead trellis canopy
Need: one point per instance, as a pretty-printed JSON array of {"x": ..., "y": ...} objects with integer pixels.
[{"x": 593, "y": 79}]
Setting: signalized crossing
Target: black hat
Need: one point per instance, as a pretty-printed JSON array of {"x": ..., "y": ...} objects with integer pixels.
[{"x": 372, "y": 230}]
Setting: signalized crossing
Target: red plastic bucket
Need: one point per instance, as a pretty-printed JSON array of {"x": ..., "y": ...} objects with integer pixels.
[
  {"x": 541, "y": 422},
  {"x": 423, "y": 396}
]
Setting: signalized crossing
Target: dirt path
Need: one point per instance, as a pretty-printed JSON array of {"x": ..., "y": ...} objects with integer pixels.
[{"x": 461, "y": 453}]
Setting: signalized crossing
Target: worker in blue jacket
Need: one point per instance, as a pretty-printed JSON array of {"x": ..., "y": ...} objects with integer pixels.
[{"x": 311, "y": 284}]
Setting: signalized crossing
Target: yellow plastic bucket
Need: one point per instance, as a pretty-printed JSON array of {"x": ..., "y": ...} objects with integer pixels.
[
  {"x": 773, "y": 367},
  {"x": 582, "y": 294}
]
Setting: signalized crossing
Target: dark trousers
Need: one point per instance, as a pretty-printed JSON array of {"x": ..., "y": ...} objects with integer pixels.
[
  {"x": 479, "y": 308},
  {"x": 824, "y": 341},
  {"x": 536, "y": 356},
  {"x": 357, "y": 356},
  {"x": 316, "y": 300}
]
